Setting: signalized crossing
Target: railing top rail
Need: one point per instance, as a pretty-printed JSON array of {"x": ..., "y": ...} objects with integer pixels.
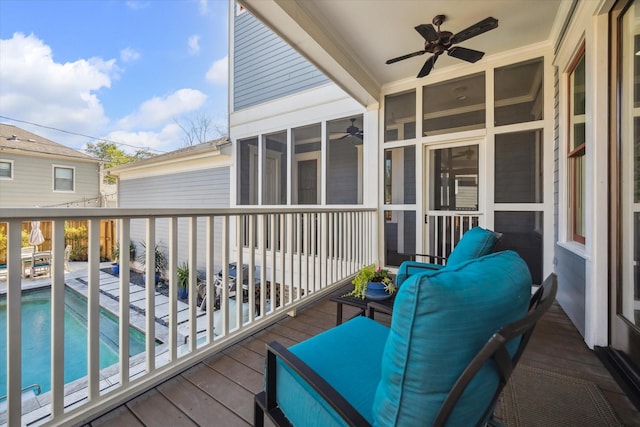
[{"x": 28, "y": 214}]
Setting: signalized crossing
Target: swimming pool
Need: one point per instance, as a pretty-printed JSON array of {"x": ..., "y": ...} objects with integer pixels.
[{"x": 36, "y": 339}]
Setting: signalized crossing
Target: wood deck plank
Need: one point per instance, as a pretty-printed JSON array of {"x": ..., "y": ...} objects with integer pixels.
[
  {"x": 119, "y": 417},
  {"x": 228, "y": 380},
  {"x": 153, "y": 409},
  {"x": 201, "y": 408},
  {"x": 223, "y": 390}
]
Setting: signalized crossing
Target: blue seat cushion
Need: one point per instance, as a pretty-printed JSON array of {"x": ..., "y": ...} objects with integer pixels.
[
  {"x": 441, "y": 320},
  {"x": 475, "y": 243},
  {"x": 347, "y": 357}
]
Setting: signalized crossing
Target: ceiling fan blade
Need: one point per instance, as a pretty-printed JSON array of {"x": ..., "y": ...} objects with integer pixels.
[
  {"x": 428, "y": 65},
  {"x": 465, "y": 54},
  {"x": 476, "y": 29},
  {"x": 407, "y": 56},
  {"x": 428, "y": 32}
]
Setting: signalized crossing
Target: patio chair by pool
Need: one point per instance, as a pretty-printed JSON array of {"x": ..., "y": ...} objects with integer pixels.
[
  {"x": 475, "y": 243},
  {"x": 455, "y": 338},
  {"x": 41, "y": 263}
]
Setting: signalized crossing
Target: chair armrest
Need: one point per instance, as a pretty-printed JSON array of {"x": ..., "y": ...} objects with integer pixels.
[
  {"x": 408, "y": 268},
  {"x": 276, "y": 351}
]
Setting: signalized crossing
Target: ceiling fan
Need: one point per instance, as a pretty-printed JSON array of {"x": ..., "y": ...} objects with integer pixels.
[
  {"x": 469, "y": 153},
  {"x": 352, "y": 130},
  {"x": 437, "y": 42}
]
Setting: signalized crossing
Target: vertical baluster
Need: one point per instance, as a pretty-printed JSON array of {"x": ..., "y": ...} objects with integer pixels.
[
  {"x": 210, "y": 288},
  {"x": 313, "y": 251},
  {"x": 57, "y": 320},
  {"x": 262, "y": 227},
  {"x": 150, "y": 314},
  {"x": 173, "y": 288},
  {"x": 290, "y": 249},
  {"x": 14, "y": 325},
  {"x": 251, "y": 294},
  {"x": 93, "y": 310},
  {"x": 239, "y": 269},
  {"x": 283, "y": 257},
  {"x": 124, "y": 231},
  {"x": 224, "y": 286},
  {"x": 193, "y": 276},
  {"x": 274, "y": 253},
  {"x": 300, "y": 247}
]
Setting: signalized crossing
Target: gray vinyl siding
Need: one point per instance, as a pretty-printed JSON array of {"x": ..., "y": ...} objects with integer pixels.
[
  {"x": 32, "y": 183},
  {"x": 569, "y": 267},
  {"x": 198, "y": 189},
  {"x": 265, "y": 67}
]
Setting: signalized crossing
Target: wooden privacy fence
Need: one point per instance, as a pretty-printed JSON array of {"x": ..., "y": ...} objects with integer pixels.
[{"x": 75, "y": 235}]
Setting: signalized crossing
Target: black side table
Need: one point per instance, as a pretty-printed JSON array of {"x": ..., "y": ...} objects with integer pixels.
[{"x": 363, "y": 305}]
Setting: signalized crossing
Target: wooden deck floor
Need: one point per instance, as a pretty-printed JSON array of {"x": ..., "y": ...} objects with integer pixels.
[{"x": 219, "y": 391}]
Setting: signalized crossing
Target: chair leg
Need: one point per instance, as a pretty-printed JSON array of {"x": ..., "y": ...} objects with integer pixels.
[{"x": 258, "y": 412}]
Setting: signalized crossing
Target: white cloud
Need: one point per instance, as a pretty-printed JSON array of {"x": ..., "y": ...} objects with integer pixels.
[
  {"x": 194, "y": 45},
  {"x": 168, "y": 138},
  {"x": 35, "y": 88},
  {"x": 157, "y": 111},
  {"x": 203, "y": 6},
  {"x": 219, "y": 71},
  {"x": 137, "y": 5},
  {"x": 129, "y": 55}
]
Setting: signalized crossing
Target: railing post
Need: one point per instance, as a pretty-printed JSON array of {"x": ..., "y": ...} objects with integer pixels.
[
  {"x": 124, "y": 240},
  {"x": 150, "y": 290},
  {"x": 93, "y": 310},
  {"x": 193, "y": 276},
  {"x": 173, "y": 288}
]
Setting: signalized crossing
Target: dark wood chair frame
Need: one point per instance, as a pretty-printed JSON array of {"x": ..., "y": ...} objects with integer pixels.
[{"x": 495, "y": 349}]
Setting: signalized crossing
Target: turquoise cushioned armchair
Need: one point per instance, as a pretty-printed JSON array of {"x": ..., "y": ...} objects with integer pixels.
[
  {"x": 363, "y": 373},
  {"x": 475, "y": 243}
]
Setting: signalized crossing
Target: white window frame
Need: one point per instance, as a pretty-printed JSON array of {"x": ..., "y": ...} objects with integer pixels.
[
  {"x": 11, "y": 163},
  {"x": 53, "y": 178}
]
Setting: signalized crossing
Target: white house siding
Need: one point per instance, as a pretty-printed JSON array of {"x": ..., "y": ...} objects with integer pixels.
[
  {"x": 207, "y": 188},
  {"x": 32, "y": 183},
  {"x": 265, "y": 67}
]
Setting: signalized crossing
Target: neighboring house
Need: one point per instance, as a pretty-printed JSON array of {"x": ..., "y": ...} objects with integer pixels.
[
  {"x": 37, "y": 172},
  {"x": 193, "y": 177},
  {"x": 538, "y": 140}
]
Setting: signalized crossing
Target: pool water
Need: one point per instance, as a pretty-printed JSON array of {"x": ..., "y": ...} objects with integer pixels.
[{"x": 36, "y": 339}]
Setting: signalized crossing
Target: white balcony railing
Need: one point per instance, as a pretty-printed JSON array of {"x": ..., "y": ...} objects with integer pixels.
[{"x": 294, "y": 256}]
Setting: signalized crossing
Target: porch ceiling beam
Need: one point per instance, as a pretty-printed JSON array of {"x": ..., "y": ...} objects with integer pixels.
[{"x": 296, "y": 24}]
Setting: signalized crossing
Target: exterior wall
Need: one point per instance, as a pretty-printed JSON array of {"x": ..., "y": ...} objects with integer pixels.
[
  {"x": 265, "y": 67},
  {"x": 208, "y": 188},
  {"x": 32, "y": 183},
  {"x": 571, "y": 270}
]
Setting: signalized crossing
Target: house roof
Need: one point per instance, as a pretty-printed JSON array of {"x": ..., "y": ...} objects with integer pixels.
[
  {"x": 209, "y": 148},
  {"x": 20, "y": 141}
]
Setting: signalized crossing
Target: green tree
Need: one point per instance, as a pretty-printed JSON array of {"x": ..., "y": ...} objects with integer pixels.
[{"x": 111, "y": 155}]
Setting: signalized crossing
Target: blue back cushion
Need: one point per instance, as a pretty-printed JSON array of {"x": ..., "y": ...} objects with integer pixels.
[
  {"x": 475, "y": 243},
  {"x": 441, "y": 320}
]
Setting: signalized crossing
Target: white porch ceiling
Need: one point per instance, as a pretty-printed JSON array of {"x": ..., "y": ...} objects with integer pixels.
[{"x": 350, "y": 40}]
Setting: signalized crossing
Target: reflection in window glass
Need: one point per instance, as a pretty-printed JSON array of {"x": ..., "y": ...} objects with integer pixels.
[
  {"x": 519, "y": 92},
  {"x": 455, "y": 179},
  {"x": 522, "y": 232},
  {"x": 400, "y": 175},
  {"x": 518, "y": 167},
  {"x": 6, "y": 170},
  {"x": 454, "y": 106},
  {"x": 63, "y": 179},
  {"x": 248, "y": 171},
  {"x": 400, "y": 116},
  {"x": 274, "y": 179},
  {"x": 577, "y": 148},
  {"x": 344, "y": 160},
  {"x": 306, "y": 165},
  {"x": 399, "y": 236}
]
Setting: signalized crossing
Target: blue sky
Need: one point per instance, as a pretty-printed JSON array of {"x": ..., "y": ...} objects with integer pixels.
[{"x": 124, "y": 71}]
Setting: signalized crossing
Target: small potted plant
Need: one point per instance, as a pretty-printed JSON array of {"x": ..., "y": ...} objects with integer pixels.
[
  {"x": 372, "y": 282},
  {"x": 183, "y": 280},
  {"x": 160, "y": 260},
  {"x": 115, "y": 258}
]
